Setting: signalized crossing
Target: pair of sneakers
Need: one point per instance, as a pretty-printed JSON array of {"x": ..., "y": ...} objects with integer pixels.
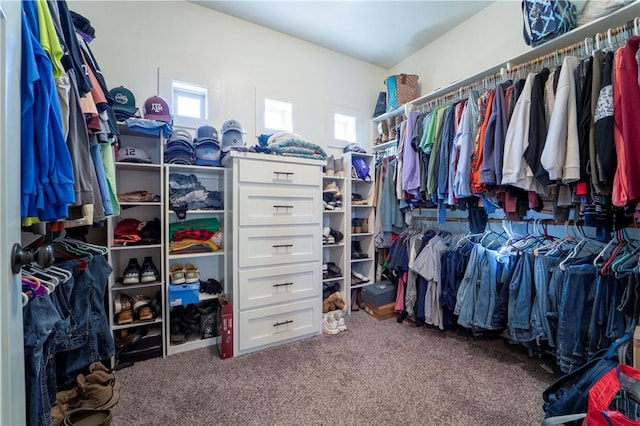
[
  {"x": 189, "y": 274},
  {"x": 333, "y": 322},
  {"x": 136, "y": 274}
]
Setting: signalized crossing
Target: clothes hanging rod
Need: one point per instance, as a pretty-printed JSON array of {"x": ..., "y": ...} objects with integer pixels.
[{"x": 573, "y": 37}]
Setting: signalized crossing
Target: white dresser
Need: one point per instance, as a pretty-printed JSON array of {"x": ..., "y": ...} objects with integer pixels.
[{"x": 277, "y": 249}]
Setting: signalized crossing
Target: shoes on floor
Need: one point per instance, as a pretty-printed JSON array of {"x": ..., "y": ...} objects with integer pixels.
[
  {"x": 339, "y": 319},
  {"x": 87, "y": 416},
  {"x": 329, "y": 325},
  {"x": 131, "y": 274},
  {"x": 148, "y": 272},
  {"x": 178, "y": 274}
]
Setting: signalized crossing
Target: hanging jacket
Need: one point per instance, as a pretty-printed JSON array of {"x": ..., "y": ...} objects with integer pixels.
[
  {"x": 596, "y": 82},
  {"x": 515, "y": 170},
  {"x": 561, "y": 156},
  {"x": 464, "y": 144},
  {"x": 606, "y": 159},
  {"x": 491, "y": 173},
  {"x": 537, "y": 128},
  {"x": 583, "y": 78},
  {"x": 628, "y": 120}
]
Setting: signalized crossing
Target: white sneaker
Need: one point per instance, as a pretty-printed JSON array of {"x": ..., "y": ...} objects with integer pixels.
[
  {"x": 329, "y": 325},
  {"x": 359, "y": 276},
  {"x": 337, "y": 317}
]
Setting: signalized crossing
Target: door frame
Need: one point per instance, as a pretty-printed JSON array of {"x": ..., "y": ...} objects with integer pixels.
[{"x": 12, "y": 382}]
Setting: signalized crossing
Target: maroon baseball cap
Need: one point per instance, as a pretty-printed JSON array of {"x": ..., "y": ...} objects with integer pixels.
[{"x": 156, "y": 108}]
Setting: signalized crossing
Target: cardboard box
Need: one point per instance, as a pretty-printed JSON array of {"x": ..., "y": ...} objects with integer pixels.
[
  {"x": 379, "y": 294},
  {"x": 184, "y": 294},
  {"x": 225, "y": 327},
  {"x": 381, "y": 312}
]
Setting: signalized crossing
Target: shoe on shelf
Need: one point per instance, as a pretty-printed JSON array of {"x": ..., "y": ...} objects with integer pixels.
[
  {"x": 331, "y": 188},
  {"x": 329, "y": 325},
  {"x": 333, "y": 271},
  {"x": 357, "y": 252},
  {"x": 338, "y": 165},
  {"x": 192, "y": 274},
  {"x": 338, "y": 201},
  {"x": 131, "y": 274},
  {"x": 356, "y": 225},
  {"x": 337, "y": 235},
  {"x": 329, "y": 200},
  {"x": 148, "y": 272},
  {"x": 178, "y": 274},
  {"x": 359, "y": 276},
  {"x": 339, "y": 319},
  {"x": 330, "y": 169},
  {"x": 141, "y": 307},
  {"x": 325, "y": 271},
  {"x": 336, "y": 299},
  {"x": 364, "y": 225},
  {"x": 123, "y": 309}
]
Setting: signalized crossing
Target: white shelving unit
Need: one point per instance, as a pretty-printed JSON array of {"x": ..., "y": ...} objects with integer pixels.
[
  {"x": 363, "y": 239},
  {"x": 336, "y": 219},
  {"x": 211, "y": 264},
  {"x": 137, "y": 177}
]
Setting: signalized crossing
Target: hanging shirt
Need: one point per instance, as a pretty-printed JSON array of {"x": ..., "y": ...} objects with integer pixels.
[
  {"x": 629, "y": 119},
  {"x": 464, "y": 145},
  {"x": 561, "y": 155},
  {"x": 484, "y": 103},
  {"x": 410, "y": 158},
  {"x": 515, "y": 171},
  {"x": 620, "y": 194},
  {"x": 606, "y": 157},
  {"x": 491, "y": 173},
  {"x": 596, "y": 82}
]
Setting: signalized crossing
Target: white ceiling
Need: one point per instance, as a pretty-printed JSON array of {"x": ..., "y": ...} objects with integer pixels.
[{"x": 379, "y": 32}]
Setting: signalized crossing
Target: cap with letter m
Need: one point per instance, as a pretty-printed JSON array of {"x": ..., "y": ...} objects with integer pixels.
[{"x": 156, "y": 108}]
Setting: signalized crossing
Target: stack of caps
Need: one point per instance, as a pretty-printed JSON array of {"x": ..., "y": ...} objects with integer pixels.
[
  {"x": 179, "y": 148},
  {"x": 207, "y": 146},
  {"x": 232, "y": 135},
  {"x": 125, "y": 103}
]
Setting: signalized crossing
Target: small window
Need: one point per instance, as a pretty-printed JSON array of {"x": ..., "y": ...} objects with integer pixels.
[
  {"x": 278, "y": 115},
  {"x": 189, "y": 100},
  {"x": 344, "y": 127}
]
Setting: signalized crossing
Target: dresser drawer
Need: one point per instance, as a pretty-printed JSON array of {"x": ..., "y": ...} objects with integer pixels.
[
  {"x": 268, "y": 286},
  {"x": 278, "y": 245},
  {"x": 266, "y": 326},
  {"x": 278, "y": 206},
  {"x": 279, "y": 173}
]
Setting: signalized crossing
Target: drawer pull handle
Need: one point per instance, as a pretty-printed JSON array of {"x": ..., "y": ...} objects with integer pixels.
[
  {"x": 287, "y": 174},
  {"x": 283, "y": 284},
  {"x": 282, "y": 245},
  {"x": 282, "y": 207},
  {"x": 283, "y": 323}
]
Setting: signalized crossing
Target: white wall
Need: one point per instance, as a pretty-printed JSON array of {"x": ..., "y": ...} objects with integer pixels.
[
  {"x": 489, "y": 38},
  {"x": 240, "y": 63}
]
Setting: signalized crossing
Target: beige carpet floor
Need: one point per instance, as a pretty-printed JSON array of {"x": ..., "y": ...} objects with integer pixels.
[{"x": 375, "y": 373}]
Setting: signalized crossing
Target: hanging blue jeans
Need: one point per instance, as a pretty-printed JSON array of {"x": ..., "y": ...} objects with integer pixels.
[
  {"x": 574, "y": 315},
  {"x": 40, "y": 319}
]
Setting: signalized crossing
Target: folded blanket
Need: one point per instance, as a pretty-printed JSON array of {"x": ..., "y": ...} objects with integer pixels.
[{"x": 293, "y": 147}]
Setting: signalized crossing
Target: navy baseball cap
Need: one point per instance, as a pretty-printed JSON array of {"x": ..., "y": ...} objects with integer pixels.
[{"x": 206, "y": 133}]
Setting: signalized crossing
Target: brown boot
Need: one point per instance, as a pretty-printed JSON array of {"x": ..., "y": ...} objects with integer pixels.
[{"x": 383, "y": 129}]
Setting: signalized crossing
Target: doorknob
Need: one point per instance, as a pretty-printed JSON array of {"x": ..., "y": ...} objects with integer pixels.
[{"x": 43, "y": 256}]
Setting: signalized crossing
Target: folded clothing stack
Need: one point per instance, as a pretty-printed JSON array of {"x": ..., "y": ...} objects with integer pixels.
[{"x": 187, "y": 193}]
